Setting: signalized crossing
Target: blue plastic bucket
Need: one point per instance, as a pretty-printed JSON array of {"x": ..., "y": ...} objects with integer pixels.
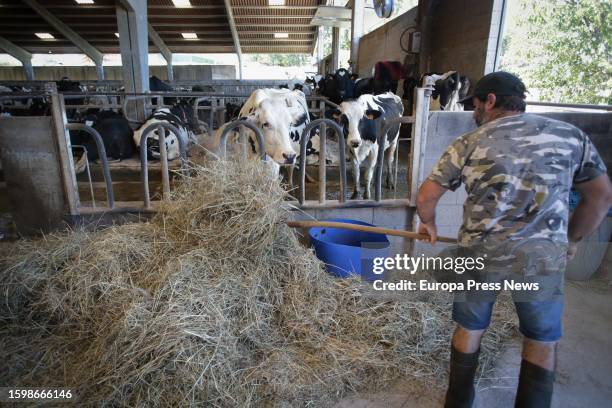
[{"x": 346, "y": 252}]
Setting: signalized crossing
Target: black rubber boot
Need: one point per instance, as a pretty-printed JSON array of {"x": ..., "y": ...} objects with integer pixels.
[
  {"x": 461, "y": 392},
  {"x": 535, "y": 386}
]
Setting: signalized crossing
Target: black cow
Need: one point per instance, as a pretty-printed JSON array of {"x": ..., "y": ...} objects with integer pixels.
[
  {"x": 66, "y": 85},
  {"x": 157, "y": 85},
  {"x": 338, "y": 87},
  {"x": 115, "y": 131},
  {"x": 232, "y": 111}
]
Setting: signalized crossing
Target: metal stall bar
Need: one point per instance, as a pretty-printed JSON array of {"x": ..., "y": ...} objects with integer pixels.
[
  {"x": 239, "y": 123},
  {"x": 129, "y": 98},
  {"x": 380, "y": 159},
  {"x": 211, "y": 108},
  {"x": 144, "y": 168},
  {"x": 419, "y": 132},
  {"x": 304, "y": 140},
  {"x": 163, "y": 155},
  {"x": 110, "y": 197},
  {"x": 322, "y": 155},
  {"x": 322, "y": 162},
  {"x": 107, "y": 103}
]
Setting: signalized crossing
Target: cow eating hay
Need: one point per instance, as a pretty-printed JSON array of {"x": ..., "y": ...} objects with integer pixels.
[{"x": 213, "y": 302}]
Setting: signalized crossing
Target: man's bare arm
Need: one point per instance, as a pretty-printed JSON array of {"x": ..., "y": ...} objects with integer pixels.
[
  {"x": 596, "y": 200},
  {"x": 427, "y": 199}
]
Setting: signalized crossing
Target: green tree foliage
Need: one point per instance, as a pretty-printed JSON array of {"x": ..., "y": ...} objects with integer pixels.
[
  {"x": 561, "y": 48},
  {"x": 283, "y": 60}
]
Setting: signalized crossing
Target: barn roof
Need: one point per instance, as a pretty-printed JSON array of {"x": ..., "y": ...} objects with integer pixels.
[{"x": 256, "y": 23}]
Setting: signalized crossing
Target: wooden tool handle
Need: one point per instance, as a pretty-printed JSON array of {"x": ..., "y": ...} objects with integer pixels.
[{"x": 365, "y": 228}]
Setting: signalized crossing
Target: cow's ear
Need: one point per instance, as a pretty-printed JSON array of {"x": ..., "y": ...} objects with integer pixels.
[
  {"x": 333, "y": 114},
  {"x": 373, "y": 114},
  {"x": 258, "y": 96}
]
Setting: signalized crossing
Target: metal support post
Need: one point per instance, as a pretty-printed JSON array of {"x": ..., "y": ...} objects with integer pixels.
[{"x": 356, "y": 32}]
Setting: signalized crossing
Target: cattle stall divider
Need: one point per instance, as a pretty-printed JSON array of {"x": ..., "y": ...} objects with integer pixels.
[
  {"x": 306, "y": 135},
  {"x": 393, "y": 213},
  {"x": 388, "y": 211},
  {"x": 319, "y": 102},
  {"x": 240, "y": 123},
  {"x": 93, "y": 133},
  {"x": 144, "y": 167}
]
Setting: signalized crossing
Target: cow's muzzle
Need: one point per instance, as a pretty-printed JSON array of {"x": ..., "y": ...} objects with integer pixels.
[{"x": 289, "y": 158}]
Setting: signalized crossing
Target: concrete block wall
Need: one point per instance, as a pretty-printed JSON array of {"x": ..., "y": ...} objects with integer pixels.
[{"x": 442, "y": 129}]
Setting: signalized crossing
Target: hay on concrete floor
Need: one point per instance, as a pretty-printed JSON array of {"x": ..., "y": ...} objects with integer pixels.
[{"x": 212, "y": 302}]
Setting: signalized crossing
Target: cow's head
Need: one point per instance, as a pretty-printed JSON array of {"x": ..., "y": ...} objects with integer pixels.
[
  {"x": 357, "y": 121},
  {"x": 274, "y": 115},
  {"x": 183, "y": 109}
]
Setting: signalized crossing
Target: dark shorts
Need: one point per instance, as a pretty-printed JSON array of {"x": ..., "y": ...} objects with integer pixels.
[{"x": 538, "y": 320}]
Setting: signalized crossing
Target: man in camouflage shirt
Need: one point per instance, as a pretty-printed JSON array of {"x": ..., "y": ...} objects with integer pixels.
[{"x": 518, "y": 170}]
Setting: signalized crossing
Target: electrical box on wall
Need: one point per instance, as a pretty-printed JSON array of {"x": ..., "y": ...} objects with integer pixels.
[{"x": 415, "y": 42}]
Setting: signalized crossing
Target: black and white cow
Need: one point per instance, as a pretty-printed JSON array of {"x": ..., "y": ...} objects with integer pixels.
[
  {"x": 362, "y": 120},
  {"x": 182, "y": 117},
  {"x": 281, "y": 115},
  {"x": 449, "y": 87}
]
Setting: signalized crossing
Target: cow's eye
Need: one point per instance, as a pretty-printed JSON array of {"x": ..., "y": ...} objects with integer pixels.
[{"x": 266, "y": 125}]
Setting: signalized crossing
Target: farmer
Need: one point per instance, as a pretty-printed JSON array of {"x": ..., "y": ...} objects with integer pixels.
[{"x": 518, "y": 169}]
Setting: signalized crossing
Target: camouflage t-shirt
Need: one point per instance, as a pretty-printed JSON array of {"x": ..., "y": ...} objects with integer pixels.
[{"x": 518, "y": 172}]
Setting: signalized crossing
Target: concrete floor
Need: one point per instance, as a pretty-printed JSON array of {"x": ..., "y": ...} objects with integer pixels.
[{"x": 584, "y": 363}]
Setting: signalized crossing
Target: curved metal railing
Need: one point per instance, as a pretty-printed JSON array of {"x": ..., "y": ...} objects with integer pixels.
[
  {"x": 110, "y": 197},
  {"x": 237, "y": 124},
  {"x": 146, "y": 133},
  {"x": 323, "y": 123}
]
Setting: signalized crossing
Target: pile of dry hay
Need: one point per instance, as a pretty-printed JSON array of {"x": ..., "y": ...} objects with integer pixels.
[{"x": 214, "y": 302}]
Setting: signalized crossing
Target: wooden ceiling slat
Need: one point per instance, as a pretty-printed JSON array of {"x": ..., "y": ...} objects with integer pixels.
[{"x": 255, "y": 22}]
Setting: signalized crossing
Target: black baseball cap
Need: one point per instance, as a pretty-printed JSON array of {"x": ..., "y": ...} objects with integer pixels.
[{"x": 500, "y": 83}]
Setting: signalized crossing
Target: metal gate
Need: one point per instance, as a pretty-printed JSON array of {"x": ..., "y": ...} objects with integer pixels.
[{"x": 59, "y": 104}]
